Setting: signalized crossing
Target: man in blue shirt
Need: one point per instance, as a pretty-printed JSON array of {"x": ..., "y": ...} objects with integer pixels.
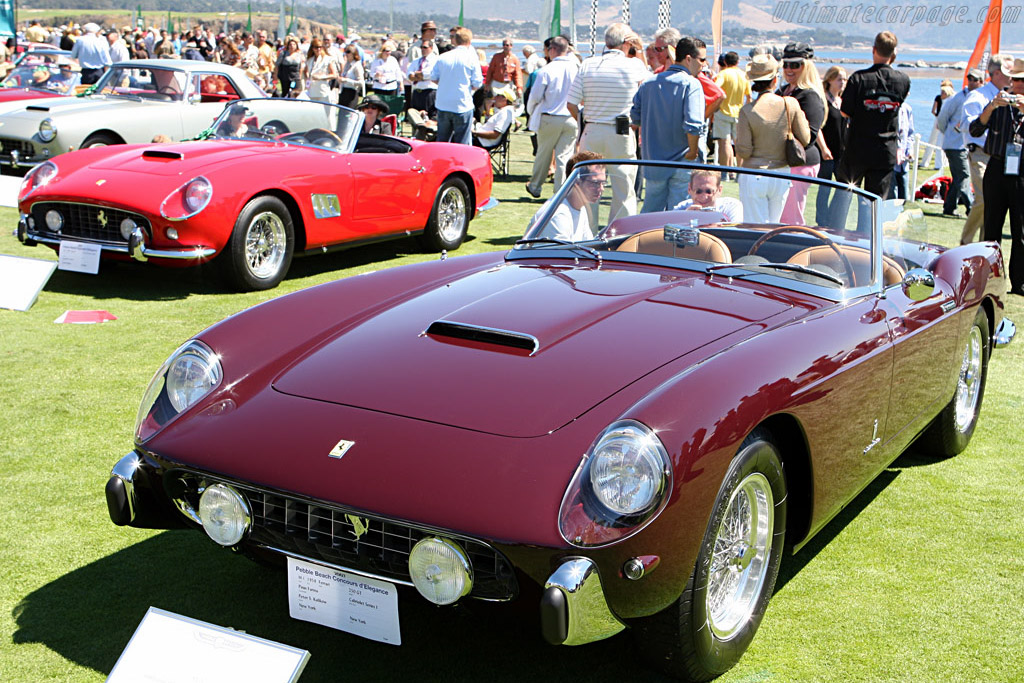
[
  {"x": 457, "y": 74},
  {"x": 92, "y": 53},
  {"x": 948, "y": 123},
  {"x": 669, "y": 111}
]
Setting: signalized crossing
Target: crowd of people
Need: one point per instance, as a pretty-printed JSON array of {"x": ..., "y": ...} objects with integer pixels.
[{"x": 776, "y": 112}]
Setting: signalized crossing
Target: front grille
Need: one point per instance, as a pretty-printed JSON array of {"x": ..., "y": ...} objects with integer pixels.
[
  {"x": 351, "y": 540},
  {"x": 88, "y": 222},
  {"x": 24, "y": 148}
]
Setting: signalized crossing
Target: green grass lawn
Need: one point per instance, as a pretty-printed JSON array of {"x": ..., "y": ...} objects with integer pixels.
[{"x": 920, "y": 579}]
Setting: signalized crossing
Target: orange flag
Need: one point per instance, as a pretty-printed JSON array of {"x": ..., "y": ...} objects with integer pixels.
[{"x": 990, "y": 29}]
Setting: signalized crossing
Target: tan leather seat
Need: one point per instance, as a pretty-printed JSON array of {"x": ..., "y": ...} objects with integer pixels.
[
  {"x": 860, "y": 261},
  {"x": 708, "y": 247}
]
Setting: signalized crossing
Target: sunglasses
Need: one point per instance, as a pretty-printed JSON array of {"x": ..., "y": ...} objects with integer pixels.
[
  {"x": 705, "y": 191},
  {"x": 661, "y": 48},
  {"x": 792, "y": 63},
  {"x": 1017, "y": 80},
  {"x": 594, "y": 182}
]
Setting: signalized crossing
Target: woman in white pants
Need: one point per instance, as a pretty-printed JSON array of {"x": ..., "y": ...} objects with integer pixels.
[{"x": 761, "y": 141}]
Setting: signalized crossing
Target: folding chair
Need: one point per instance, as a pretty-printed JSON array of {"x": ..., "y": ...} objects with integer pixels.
[
  {"x": 499, "y": 154},
  {"x": 396, "y": 106}
]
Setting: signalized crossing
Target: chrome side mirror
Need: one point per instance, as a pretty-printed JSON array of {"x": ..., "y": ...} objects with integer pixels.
[{"x": 918, "y": 284}]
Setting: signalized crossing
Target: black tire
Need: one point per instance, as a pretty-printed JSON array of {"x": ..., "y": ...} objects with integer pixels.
[
  {"x": 697, "y": 638},
  {"x": 260, "y": 250},
  {"x": 951, "y": 430},
  {"x": 100, "y": 140},
  {"x": 449, "y": 218}
]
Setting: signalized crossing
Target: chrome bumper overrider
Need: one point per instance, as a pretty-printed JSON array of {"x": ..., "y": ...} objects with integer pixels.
[
  {"x": 573, "y": 608},
  {"x": 120, "y": 490},
  {"x": 136, "y": 247},
  {"x": 1004, "y": 333}
]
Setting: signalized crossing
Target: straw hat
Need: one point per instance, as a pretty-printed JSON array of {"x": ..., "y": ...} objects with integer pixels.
[
  {"x": 506, "y": 92},
  {"x": 762, "y": 68}
]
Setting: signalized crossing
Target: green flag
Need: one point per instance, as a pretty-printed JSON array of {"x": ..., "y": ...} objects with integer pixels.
[
  {"x": 556, "y": 19},
  {"x": 291, "y": 22},
  {"x": 462, "y": 7},
  {"x": 138, "y": 21},
  {"x": 248, "y": 25},
  {"x": 344, "y": 17}
]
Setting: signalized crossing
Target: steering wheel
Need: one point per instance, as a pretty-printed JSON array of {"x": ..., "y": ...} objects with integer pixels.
[
  {"x": 323, "y": 137},
  {"x": 295, "y": 137},
  {"x": 817, "y": 234},
  {"x": 167, "y": 90}
]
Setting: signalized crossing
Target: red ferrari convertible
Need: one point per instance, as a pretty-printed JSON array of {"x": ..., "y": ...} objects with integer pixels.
[{"x": 271, "y": 179}]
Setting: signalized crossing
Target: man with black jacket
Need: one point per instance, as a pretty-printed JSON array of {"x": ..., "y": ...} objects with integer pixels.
[
  {"x": 1003, "y": 119},
  {"x": 871, "y": 102}
]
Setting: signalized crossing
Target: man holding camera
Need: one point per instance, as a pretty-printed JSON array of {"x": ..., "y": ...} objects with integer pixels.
[
  {"x": 604, "y": 90},
  {"x": 1003, "y": 120}
]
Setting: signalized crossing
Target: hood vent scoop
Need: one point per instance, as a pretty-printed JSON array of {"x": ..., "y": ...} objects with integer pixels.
[
  {"x": 37, "y": 107},
  {"x": 161, "y": 154},
  {"x": 484, "y": 335}
]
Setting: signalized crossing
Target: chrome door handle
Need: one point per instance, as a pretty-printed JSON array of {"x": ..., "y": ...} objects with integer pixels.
[{"x": 419, "y": 169}]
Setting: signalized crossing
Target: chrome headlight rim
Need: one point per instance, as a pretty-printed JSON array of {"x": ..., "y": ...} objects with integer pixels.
[
  {"x": 177, "y": 205},
  {"x": 585, "y": 520},
  {"x": 460, "y": 563},
  {"x": 47, "y": 130},
  {"x": 157, "y": 405},
  {"x": 209, "y": 516}
]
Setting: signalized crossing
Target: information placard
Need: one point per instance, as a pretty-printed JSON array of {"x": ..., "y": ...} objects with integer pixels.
[
  {"x": 172, "y": 648},
  {"x": 348, "y": 602},
  {"x": 79, "y": 257}
]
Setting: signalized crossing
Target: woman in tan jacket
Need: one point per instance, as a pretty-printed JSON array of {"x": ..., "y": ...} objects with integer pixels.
[{"x": 761, "y": 141}]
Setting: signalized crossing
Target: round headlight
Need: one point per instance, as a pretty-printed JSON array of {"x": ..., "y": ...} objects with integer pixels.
[
  {"x": 54, "y": 220},
  {"x": 192, "y": 374},
  {"x": 440, "y": 570},
  {"x": 127, "y": 225},
  {"x": 47, "y": 131},
  {"x": 197, "y": 194},
  {"x": 225, "y": 514},
  {"x": 627, "y": 471}
]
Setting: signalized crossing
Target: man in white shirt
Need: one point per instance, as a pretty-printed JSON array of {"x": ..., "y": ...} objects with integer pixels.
[
  {"x": 424, "y": 90},
  {"x": 604, "y": 88},
  {"x": 706, "y": 195},
  {"x": 457, "y": 74},
  {"x": 92, "y": 53},
  {"x": 571, "y": 221},
  {"x": 118, "y": 48},
  {"x": 556, "y": 129},
  {"x": 488, "y": 133}
]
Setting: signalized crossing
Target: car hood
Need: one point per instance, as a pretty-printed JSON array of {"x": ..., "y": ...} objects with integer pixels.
[
  {"x": 62, "y": 106},
  {"x": 522, "y": 350},
  {"x": 178, "y": 158}
]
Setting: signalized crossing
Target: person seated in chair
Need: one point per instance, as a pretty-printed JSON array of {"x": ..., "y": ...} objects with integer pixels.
[
  {"x": 233, "y": 126},
  {"x": 374, "y": 109},
  {"x": 488, "y": 133},
  {"x": 706, "y": 195},
  {"x": 571, "y": 220}
]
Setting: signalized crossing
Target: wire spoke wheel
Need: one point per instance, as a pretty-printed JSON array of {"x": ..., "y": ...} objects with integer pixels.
[
  {"x": 739, "y": 561},
  {"x": 451, "y": 214},
  {"x": 968, "y": 387},
  {"x": 265, "y": 244}
]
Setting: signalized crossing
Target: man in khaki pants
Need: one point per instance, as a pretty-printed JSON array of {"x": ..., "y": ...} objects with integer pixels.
[
  {"x": 998, "y": 69},
  {"x": 604, "y": 88}
]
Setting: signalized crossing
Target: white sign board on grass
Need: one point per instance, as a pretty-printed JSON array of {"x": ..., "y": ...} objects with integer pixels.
[
  {"x": 172, "y": 648},
  {"x": 21, "y": 280}
]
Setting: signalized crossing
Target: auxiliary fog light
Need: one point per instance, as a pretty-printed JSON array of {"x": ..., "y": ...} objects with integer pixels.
[
  {"x": 225, "y": 514},
  {"x": 172, "y": 234},
  {"x": 440, "y": 570},
  {"x": 127, "y": 226},
  {"x": 54, "y": 220}
]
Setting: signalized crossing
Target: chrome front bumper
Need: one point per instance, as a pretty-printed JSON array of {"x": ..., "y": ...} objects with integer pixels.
[
  {"x": 1004, "y": 333},
  {"x": 120, "y": 491},
  {"x": 136, "y": 247},
  {"x": 573, "y": 608}
]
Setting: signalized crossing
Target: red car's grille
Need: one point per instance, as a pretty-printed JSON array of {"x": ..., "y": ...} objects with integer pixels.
[
  {"x": 350, "y": 540},
  {"x": 87, "y": 221}
]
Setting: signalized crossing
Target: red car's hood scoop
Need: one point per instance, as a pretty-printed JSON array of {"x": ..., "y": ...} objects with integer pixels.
[
  {"x": 166, "y": 160},
  {"x": 521, "y": 350}
]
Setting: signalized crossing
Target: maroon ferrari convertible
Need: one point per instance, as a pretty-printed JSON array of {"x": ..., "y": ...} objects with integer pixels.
[{"x": 624, "y": 421}]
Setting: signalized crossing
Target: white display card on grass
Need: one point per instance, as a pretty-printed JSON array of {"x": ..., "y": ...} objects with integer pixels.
[
  {"x": 168, "y": 647},
  {"x": 79, "y": 257},
  {"x": 348, "y": 602},
  {"x": 21, "y": 280}
]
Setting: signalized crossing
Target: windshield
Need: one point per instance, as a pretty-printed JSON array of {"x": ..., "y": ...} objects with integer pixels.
[
  {"x": 686, "y": 216},
  {"x": 43, "y": 71},
  {"x": 149, "y": 83},
  {"x": 299, "y": 122}
]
